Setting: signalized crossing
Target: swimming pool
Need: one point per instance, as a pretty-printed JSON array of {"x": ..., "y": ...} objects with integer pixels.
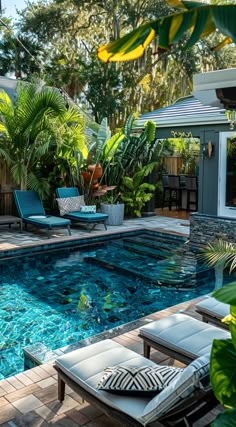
[{"x": 58, "y": 298}]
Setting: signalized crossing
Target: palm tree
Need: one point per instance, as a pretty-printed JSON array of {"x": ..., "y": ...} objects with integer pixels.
[
  {"x": 28, "y": 128},
  {"x": 198, "y": 19}
]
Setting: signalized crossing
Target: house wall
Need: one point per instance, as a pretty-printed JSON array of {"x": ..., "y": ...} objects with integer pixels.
[
  {"x": 208, "y": 167},
  {"x": 206, "y": 228}
]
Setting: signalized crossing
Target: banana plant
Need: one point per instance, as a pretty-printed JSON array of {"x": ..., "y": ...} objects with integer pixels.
[
  {"x": 196, "y": 18},
  {"x": 223, "y": 361},
  {"x": 223, "y": 352},
  {"x": 133, "y": 150},
  {"x": 135, "y": 192}
]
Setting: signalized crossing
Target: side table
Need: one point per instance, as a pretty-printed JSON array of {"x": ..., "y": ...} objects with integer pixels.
[{"x": 9, "y": 220}]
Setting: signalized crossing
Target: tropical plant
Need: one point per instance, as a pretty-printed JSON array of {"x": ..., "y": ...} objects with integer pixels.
[
  {"x": 72, "y": 148},
  {"x": 223, "y": 361},
  {"x": 101, "y": 149},
  {"x": 135, "y": 192},
  {"x": 196, "y": 18},
  {"x": 134, "y": 150},
  {"x": 223, "y": 353},
  {"x": 189, "y": 149},
  {"x": 29, "y": 128}
]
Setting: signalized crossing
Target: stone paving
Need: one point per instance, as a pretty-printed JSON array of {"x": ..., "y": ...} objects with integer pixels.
[
  {"x": 11, "y": 239},
  {"x": 29, "y": 399}
]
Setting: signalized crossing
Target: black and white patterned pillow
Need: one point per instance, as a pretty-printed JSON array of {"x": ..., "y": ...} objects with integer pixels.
[
  {"x": 133, "y": 379},
  {"x": 70, "y": 204}
]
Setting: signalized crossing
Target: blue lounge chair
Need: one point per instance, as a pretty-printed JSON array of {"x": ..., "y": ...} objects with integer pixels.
[
  {"x": 87, "y": 218},
  {"x": 31, "y": 211}
]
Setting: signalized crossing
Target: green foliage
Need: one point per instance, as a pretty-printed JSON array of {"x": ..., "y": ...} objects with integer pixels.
[
  {"x": 135, "y": 192},
  {"x": 67, "y": 34},
  {"x": 223, "y": 356},
  {"x": 189, "y": 149},
  {"x": 134, "y": 150},
  {"x": 226, "y": 419},
  {"x": 223, "y": 371},
  {"x": 30, "y": 130},
  {"x": 221, "y": 253},
  {"x": 227, "y": 294},
  {"x": 196, "y": 18},
  {"x": 223, "y": 353}
]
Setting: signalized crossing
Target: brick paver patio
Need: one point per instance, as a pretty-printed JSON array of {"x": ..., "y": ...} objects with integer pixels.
[{"x": 29, "y": 399}]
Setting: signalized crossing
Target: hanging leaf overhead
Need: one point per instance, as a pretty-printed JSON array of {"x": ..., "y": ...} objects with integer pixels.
[{"x": 199, "y": 19}]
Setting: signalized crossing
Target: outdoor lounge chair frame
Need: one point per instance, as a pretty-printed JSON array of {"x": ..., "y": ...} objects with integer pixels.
[
  {"x": 207, "y": 318},
  {"x": 36, "y": 202},
  {"x": 152, "y": 337},
  {"x": 213, "y": 311},
  {"x": 187, "y": 412},
  {"x": 210, "y": 318},
  {"x": 174, "y": 354}
]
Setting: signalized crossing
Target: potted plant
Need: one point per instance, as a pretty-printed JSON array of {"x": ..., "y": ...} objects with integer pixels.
[{"x": 113, "y": 208}]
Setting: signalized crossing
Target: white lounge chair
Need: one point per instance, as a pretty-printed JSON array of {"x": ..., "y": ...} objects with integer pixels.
[
  {"x": 180, "y": 336},
  {"x": 213, "y": 311},
  {"x": 186, "y": 398}
]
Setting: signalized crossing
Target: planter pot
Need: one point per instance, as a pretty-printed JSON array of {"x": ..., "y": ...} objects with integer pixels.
[
  {"x": 115, "y": 213},
  {"x": 95, "y": 171}
]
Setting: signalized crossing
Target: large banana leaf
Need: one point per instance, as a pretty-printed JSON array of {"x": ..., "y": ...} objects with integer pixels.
[
  {"x": 198, "y": 18},
  {"x": 227, "y": 294},
  {"x": 225, "y": 419},
  {"x": 112, "y": 145},
  {"x": 223, "y": 371}
]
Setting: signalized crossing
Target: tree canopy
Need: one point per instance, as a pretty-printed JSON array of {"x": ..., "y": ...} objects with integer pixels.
[{"x": 63, "y": 37}]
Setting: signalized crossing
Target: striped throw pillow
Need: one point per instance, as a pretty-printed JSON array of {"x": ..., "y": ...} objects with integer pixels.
[{"x": 137, "y": 380}]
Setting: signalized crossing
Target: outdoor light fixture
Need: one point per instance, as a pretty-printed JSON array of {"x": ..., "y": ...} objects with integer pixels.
[
  {"x": 208, "y": 150},
  {"x": 231, "y": 117}
]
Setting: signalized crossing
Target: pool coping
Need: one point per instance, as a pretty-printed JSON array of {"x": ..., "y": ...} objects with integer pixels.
[{"x": 73, "y": 241}]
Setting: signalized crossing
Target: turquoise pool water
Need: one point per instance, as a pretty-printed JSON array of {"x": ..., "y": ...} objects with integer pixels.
[{"x": 58, "y": 298}]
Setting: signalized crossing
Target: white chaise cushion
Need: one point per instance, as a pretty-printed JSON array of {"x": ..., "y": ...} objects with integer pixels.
[
  {"x": 214, "y": 308},
  {"x": 184, "y": 334},
  {"x": 86, "y": 365},
  {"x": 193, "y": 376}
]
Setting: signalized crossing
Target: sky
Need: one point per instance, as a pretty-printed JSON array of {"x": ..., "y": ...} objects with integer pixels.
[{"x": 10, "y": 6}]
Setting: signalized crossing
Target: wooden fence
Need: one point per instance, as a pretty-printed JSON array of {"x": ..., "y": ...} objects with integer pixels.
[
  {"x": 7, "y": 186},
  {"x": 173, "y": 165}
]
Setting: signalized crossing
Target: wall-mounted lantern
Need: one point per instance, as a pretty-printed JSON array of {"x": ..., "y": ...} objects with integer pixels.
[
  {"x": 231, "y": 117},
  {"x": 208, "y": 150}
]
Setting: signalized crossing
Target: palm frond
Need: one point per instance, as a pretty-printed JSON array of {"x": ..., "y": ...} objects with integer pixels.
[
  {"x": 39, "y": 184},
  {"x": 220, "y": 253}
]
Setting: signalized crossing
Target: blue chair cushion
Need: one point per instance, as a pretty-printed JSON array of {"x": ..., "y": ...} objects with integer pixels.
[
  {"x": 47, "y": 222},
  {"x": 86, "y": 217}
]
